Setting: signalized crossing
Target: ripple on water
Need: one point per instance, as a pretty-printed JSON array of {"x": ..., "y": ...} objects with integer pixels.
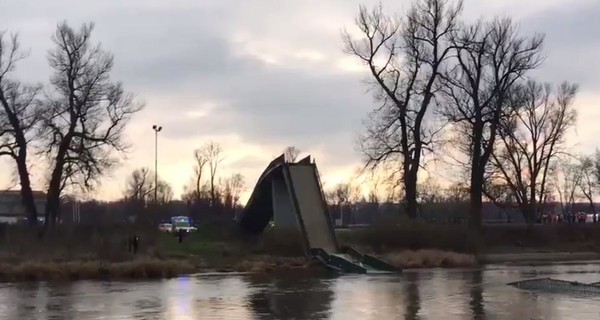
[{"x": 430, "y": 294}]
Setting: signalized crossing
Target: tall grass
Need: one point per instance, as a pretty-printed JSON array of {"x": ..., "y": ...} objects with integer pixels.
[
  {"x": 394, "y": 234},
  {"x": 430, "y": 258},
  {"x": 93, "y": 252},
  {"x": 403, "y": 234},
  {"x": 282, "y": 241},
  {"x": 65, "y": 243},
  {"x": 144, "y": 268}
]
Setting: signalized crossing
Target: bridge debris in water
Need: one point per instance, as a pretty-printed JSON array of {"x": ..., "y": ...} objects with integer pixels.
[{"x": 558, "y": 286}]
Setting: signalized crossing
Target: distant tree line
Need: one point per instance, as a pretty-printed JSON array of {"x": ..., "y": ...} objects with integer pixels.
[{"x": 208, "y": 197}]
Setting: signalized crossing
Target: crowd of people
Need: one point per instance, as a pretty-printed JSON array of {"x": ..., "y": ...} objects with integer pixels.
[{"x": 572, "y": 217}]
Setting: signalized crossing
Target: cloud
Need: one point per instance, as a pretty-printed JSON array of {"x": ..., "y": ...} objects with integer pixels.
[
  {"x": 572, "y": 43},
  {"x": 258, "y": 76}
]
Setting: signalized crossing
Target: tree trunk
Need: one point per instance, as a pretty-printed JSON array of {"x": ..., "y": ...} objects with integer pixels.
[
  {"x": 27, "y": 198},
  {"x": 593, "y": 209},
  {"x": 410, "y": 194},
  {"x": 532, "y": 208},
  {"x": 475, "y": 203},
  {"x": 528, "y": 210},
  {"x": 474, "y": 233},
  {"x": 20, "y": 158},
  {"x": 53, "y": 196}
]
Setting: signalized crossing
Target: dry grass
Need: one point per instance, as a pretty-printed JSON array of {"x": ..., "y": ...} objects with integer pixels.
[
  {"x": 263, "y": 264},
  {"x": 143, "y": 268},
  {"x": 67, "y": 243},
  {"x": 430, "y": 258},
  {"x": 403, "y": 234},
  {"x": 101, "y": 252},
  {"x": 285, "y": 242},
  {"x": 84, "y": 252}
]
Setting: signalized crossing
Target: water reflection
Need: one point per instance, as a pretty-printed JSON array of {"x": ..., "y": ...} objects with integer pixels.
[
  {"x": 476, "y": 293},
  {"x": 433, "y": 294},
  {"x": 291, "y": 297},
  {"x": 207, "y": 298},
  {"x": 59, "y": 301},
  {"x": 27, "y": 297},
  {"x": 412, "y": 298}
]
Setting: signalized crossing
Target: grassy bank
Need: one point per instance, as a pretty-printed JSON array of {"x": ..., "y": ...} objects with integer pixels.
[
  {"x": 410, "y": 235},
  {"x": 102, "y": 252},
  {"x": 141, "y": 268}
]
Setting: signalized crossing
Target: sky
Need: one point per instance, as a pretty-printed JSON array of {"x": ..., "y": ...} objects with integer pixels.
[{"x": 257, "y": 76}]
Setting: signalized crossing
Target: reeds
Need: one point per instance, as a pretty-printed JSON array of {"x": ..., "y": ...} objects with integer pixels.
[
  {"x": 142, "y": 268},
  {"x": 430, "y": 258}
]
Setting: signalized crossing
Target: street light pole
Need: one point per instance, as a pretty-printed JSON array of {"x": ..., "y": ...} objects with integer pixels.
[{"x": 156, "y": 131}]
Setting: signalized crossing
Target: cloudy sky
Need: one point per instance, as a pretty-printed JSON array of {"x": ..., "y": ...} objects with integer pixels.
[{"x": 256, "y": 76}]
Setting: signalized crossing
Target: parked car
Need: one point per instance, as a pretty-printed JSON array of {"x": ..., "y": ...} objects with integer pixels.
[
  {"x": 187, "y": 229},
  {"x": 165, "y": 227}
]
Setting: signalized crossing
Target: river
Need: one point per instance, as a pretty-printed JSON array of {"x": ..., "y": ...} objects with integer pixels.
[{"x": 424, "y": 294}]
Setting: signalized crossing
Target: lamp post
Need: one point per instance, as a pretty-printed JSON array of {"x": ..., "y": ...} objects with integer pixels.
[{"x": 156, "y": 131}]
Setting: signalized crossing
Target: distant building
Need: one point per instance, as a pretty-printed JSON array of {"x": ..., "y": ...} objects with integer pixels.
[{"x": 11, "y": 209}]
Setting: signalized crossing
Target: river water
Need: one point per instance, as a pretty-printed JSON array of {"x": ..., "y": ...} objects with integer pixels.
[{"x": 425, "y": 294}]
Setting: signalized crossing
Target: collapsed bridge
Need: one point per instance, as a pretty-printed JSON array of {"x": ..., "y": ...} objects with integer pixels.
[{"x": 291, "y": 194}]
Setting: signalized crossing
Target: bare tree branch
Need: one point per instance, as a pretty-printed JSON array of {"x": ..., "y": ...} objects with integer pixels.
[
  {"x": 19, "y": 116},
  {"x": 490, "y": 59},
  {"x": 405, "y": 59},
  {"x": 85, "y": 117},
  {"x": 291, "y": 153},
  {"x": 531, "y": 135},
  {"x": 140, "y": 188}
]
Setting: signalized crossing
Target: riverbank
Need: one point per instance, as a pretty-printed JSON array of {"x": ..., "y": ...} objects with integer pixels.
[
  {"x": 537, "y": 258},
  {"x": 146, "y": 267},
  {"x": 69, "y": 253}
]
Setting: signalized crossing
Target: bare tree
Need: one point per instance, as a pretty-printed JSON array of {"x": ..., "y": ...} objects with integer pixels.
[
  {"x": 344, "y": 193},
  {"x": 191, "y": 195},
  {"x": 212, "y": 153},
  {"x": 404, "y": 59},
  {"x": 164, "y": 192},
  {"x": 373, "y": 197},
  {"x": 140, "y": 188},
  {"x": 596, "y": 167},
  {"x": 232, "y": 188},
  {"x": 490, "y": 59},
  {"x": 457, "y": 192},
  {"x": 589, "y": 184},
  {"x": 140, "y": 185},
  {"x": 19, "y": 115},
  {"x": 86, "y": 114},
  {"x": 530, "y": 138},
  {"x": 291, "y": 153},
  {"x": 567, "y": 182},
  {"x": 498, "y": 191},
  {"x": 430, "y": 191},
  {"x": 201, "y": 161}
]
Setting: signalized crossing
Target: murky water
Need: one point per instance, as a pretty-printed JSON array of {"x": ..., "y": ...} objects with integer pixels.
[{"x": 433, "y": 294}]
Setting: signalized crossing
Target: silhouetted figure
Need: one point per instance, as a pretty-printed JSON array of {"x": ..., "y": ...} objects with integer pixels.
[
  {"x": 180, "y": 234},
  {"x": 134, "y": 243}
]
